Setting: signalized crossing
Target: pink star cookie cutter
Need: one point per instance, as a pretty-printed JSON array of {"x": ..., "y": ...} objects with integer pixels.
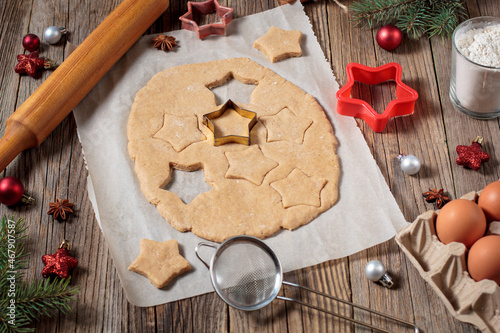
[
  {"x": 204, "y": 8},
  {"x": 403, "y": 105}
]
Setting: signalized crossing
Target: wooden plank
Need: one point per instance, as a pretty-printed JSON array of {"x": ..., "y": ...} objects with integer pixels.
[
  {"x": 15, "y": 18},
  {"x": 56, "y": 169}
]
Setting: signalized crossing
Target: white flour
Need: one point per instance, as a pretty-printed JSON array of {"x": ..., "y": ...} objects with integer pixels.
[
  {"x": 475, "y": 74},
  {"x": 481, "y": 46}
]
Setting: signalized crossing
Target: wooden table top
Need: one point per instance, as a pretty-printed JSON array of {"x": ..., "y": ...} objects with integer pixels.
[{"x": 56, "y": 169}]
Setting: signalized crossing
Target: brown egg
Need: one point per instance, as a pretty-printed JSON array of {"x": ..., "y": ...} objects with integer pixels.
[
  {"x": 461, "y": 221},
  {"x": 489, "y": 201},
  {"x": 482, "y": 261}
]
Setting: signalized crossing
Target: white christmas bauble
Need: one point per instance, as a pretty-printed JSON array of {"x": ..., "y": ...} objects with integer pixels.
[
  {"x": 409, "y": 164},
  {"x": 374, "y": 270},
  {"x": 52, "y": 35}
]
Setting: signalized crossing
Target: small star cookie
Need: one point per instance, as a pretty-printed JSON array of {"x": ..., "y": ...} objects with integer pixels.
[
  {"x": 286, "y": 126},
  {"x": 249, "y": 164},
  {"x": 278, "y": 44},
  {"x": 300, "y": 189},
  {"x": 160, "y": 262},
  {"x": 180, "y": 132}
]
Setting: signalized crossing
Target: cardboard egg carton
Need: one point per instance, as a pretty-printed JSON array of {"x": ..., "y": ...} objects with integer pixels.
[{"x": 444, "y": 268}]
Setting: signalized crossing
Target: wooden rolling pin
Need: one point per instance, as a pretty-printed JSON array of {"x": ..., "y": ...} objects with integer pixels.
[{"x": 40, "y": 114}]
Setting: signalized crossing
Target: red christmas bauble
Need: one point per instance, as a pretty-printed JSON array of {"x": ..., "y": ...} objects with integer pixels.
[
  {"x": 11, "y": 191},
  {"x": 31, "y": 42},
  {"x": 389, "y": 37}
]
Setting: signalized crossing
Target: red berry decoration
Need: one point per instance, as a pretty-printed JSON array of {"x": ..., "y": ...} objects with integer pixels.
[
  {"x": 31, "y": 42},
  {"x": 12, "y": 192},
  {"x": 472, "y": 156},
  {"x": 59, "y": 263},
  {"x": 389, "y": 37}
]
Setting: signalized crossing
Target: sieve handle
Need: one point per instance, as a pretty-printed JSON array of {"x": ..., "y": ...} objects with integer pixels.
[
  {"x": 403, "y": 322},
  {"x": 201, "y": 245}
]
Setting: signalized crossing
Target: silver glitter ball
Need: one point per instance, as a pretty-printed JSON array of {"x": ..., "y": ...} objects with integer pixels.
[
  {"x": 409, "y": 164},
  {"x": 52, "y": 35}
]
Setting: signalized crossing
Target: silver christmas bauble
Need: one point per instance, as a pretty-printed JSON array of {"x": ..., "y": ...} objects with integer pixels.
[
  {"x": 375, "y": 271},
  {"x": 52, "y": 35},
  {"x": 409, "y": 164}
]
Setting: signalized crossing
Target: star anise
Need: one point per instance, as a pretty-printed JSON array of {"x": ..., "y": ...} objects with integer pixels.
[
  {"x": 164, "y": 42},
  {"x": 60, "y": 209},
  {"x": 438, "y": 197}
]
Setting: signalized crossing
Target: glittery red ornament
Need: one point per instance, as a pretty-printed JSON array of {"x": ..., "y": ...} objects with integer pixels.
[
  {"x": 59, "y": 263},
  {"x": 472, "y": 156},
  {"x": 31, "y": 42},
  {"x": 29, "y": 64},
  {"x": 389, "y": 37}
]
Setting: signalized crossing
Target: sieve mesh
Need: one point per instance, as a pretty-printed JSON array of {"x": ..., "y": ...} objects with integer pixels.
[{"x": 246, "y": 275}]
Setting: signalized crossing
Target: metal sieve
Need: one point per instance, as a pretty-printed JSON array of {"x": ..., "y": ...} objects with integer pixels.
[{"x": 247, "y": 275}]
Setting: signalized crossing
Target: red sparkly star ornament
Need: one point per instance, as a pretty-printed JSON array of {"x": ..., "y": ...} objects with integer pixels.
[
  {"x": 29, "y": 64},
  {"x": 59, "y": 263},
  {"x": 472, "y": 156}
]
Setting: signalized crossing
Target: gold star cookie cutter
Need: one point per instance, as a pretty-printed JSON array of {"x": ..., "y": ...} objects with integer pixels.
[{"x": 221, "y": 140}]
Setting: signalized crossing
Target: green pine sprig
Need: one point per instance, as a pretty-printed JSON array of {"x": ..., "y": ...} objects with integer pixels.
[
  {"x": 414, "y": 17},
  {"x": 32, "y": 301}
]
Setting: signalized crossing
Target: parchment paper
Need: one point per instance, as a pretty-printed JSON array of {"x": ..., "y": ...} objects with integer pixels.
[{"x": 365, "y": 215}]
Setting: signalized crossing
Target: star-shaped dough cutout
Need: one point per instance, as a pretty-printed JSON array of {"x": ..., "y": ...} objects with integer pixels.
[
  {"x": 300, "y": 189},
  {"x": 249, "y": 164},
  {"x": 278, "y": 44},
  {"x": 180, "y": 132},
  {"x": 160, "y": 262},
  {"x": 286, "y": 126}
]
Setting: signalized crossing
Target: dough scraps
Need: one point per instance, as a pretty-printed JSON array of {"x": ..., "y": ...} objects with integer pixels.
[
  {"x": 284, "y": 179},
  {"x": 160, "y": 262},
  {"x": 278, "y": 44}
]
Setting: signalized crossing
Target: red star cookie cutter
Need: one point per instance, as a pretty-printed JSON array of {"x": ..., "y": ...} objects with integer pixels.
[
  {"x": 204, "y": 8},
  {"x": 403, "y": 105}
]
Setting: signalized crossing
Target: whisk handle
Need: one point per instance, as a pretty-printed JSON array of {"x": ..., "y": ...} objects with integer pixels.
[{"x": 201, "y": 245}]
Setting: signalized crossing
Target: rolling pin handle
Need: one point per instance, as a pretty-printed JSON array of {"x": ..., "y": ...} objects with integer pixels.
[{"x": 17, "y": 138}]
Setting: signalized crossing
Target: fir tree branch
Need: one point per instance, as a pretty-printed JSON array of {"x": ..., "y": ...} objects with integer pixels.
[
  {"x": 414, "y": 17},
  {"x": 367, "y": 12},
  {"x": 446, "y": 17},
  {"x": 43, "y": 298},
  {"x": 413, "y": 22},
  {"x": 441, "y": 24}
]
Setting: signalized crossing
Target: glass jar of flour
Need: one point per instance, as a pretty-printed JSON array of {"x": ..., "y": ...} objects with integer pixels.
[{"x": 475, "y": 67}]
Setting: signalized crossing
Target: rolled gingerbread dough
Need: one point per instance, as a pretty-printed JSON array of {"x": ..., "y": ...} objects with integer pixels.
[{"x": 284, "y": 179}]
